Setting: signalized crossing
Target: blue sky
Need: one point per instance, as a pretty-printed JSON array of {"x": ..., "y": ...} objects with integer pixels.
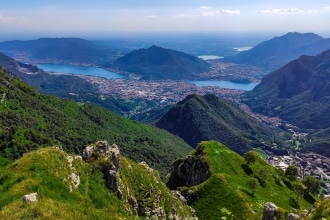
[{"x": 73, "y": 17}]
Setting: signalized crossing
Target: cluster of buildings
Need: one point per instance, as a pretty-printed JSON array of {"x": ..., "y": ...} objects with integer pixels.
[
  {"x": 164, "y": 92},
  {"x": 232, "y": 72},
  {"x": 272, "y": 121},
  {"x": 308, "y": 164}
]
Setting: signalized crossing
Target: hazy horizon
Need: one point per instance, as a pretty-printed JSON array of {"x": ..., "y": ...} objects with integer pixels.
[{"x": 104, "y": 19}]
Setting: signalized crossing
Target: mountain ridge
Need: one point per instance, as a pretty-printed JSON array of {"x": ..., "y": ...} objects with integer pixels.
[
  {"x": 301, "y": 86},
  {"x": 68, "y": 186},
  {"x": 201, "y": 118},
  {"x": 226, "y": 190},
  {"x": 278, "y": 51},
  {"x": 160, "y": 63},
  {"x": 57, "y": 50}
]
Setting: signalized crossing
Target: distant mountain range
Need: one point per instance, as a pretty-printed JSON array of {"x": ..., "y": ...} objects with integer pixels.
[
  {"x": 273, "y": 54},
  {"x": 156, "y": 63},
  {"x": 200, "y": 118},
  {"x": 299, "y": 92},
  {"x": 59, "y": 50},
  {"x": 44, "y": 82}
]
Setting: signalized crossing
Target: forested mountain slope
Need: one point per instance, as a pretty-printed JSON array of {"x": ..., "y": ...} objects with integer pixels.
[
  {"x": 29, "y": 121},
  {"x": 157, "y": 63},
  {"x": 299, "y": 92},
  {"x": 200, "y": 118}
]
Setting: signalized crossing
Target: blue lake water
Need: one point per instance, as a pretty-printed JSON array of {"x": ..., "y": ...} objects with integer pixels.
[
  {"x": 226, "y": 84},
  {"x": 82, "y": 70},
  {"x": 94, "y": 71},
  {"x": 209, "y": 57}
]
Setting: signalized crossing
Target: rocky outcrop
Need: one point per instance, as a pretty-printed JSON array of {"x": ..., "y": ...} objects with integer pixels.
[
  {"x": 190, "y": 171},
  {"x": 146, "y": 199},
  {"x": 107, "y": 158},
  {"x": 293, "y": 216},
  {"x": 73, "y": 178},
  {"x": 271, "y": 212},
  {"x": 102, "y": 149}
]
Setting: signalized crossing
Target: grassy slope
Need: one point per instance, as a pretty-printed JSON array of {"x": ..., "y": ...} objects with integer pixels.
[
  {"x": 321, "y": 211},
  {"x": 44, "y": 171},
  {"x": 29, "y": 120},
  {"x": 226, "y": 192}
]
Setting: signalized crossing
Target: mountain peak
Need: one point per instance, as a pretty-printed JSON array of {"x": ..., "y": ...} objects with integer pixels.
[
  {"x": 160, "y": 63},
  {"x": 300, "y": 86},
  {"x": 155, "y": 47},
  {"x": 278, "y": 51},
  {"x": 212, "y": 118},
  {"x": 301, "y": 36}
]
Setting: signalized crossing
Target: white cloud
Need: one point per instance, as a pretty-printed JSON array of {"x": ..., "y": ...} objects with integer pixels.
[
  {"x": 151, "y": 16},
  {"x": 205, "y": 7},
  {"x": 12, "y": 20},
  {"x": 279, "y": 10},
  {"x": 222, "y": 11},
  {"x": 229, "y": 12}
]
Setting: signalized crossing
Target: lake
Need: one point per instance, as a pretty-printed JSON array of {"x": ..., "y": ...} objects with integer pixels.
[
  {"x": 82, "y": 70},
  {"x": 226, "y": 84},
  {"x": 94, "y": 71},
  {"x": 209, "y": 57}
]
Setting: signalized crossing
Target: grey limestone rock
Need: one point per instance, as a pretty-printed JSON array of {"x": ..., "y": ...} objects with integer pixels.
[
  {"x": 271, "y": 212},
  {"x": 190, "y": 171}
]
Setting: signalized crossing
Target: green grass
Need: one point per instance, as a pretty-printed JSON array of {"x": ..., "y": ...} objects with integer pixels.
[
  {"x": 227, "y": 193},
  {"x": 45, "y": 171},
  {"x": 321, "y": 211},
  {"x": 260, "y": 152}
]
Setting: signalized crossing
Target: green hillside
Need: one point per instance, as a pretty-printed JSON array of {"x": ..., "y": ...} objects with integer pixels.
[
  {"x": 298, "y": 92},
  {"x": 29, "y": 121},
  {"x": 234, "y": 189},
  {"x": 157, "y": 63},
  {"x": 202, "y": 118},
  {"x": 46, "y": 172},
  {"x": 321, "y": 211}
]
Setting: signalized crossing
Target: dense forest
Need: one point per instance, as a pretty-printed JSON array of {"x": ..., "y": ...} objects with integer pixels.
[{"x": 29, "y": 121}]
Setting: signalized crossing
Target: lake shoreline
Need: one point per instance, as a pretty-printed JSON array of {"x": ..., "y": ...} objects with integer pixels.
[{"x": 108, "y": 74}]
